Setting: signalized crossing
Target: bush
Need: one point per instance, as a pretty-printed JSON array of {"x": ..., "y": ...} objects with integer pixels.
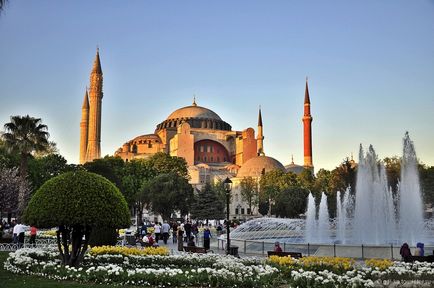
[{"x": 77, "y": 202}]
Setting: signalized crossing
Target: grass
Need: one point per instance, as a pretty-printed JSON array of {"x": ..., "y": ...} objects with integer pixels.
[{"x": 10, "y": 280}]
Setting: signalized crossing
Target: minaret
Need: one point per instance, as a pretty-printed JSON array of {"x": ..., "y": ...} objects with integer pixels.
[
  {"x": 260, "y": 138},
  {"x": 84, "y": 127},
  {"x": 307, "y": 125},
  {"x": 95, "y": 102}
]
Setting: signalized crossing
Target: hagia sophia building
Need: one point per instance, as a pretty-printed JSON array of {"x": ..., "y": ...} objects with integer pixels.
[{"x": 212, "y": 150}]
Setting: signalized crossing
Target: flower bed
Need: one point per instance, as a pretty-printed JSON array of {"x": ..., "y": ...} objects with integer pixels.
[
  {"x": 147, "y": 270},
  {"x": 344, "y": 272}
]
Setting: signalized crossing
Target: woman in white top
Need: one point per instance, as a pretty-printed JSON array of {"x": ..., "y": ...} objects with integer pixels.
[{"x": 157, "y": 231}]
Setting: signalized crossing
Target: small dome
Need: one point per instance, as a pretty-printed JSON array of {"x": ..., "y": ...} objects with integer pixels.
[
  {"x": 194, "y": 112},
  {"x": 254, "y": 167}
]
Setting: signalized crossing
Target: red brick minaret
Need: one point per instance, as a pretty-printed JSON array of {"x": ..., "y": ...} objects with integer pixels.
[{"x": 307, "y": 129}]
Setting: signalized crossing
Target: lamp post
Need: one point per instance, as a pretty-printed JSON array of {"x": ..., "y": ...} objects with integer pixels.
[{"x": 227, "y": 184}]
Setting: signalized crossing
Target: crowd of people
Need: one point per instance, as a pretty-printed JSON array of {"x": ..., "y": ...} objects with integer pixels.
[{"x": 182, "y": 233}]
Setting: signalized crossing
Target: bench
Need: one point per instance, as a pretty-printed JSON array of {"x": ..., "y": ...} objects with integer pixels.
[
  {"x": 295, "y": 255},
  {"x": 194, "y": 249},
  {"x": 429, "y": 258}
]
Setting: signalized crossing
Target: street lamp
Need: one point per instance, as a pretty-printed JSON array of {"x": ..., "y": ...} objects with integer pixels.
[{"x": 227, "y": 184}]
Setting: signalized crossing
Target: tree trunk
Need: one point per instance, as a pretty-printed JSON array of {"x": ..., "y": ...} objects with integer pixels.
[{"x": 22, "y": 197}]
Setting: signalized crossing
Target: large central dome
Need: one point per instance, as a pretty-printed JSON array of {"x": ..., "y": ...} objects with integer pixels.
[
  {"x": 193, "y": 111},
  {"x": 196, "y": 116}
]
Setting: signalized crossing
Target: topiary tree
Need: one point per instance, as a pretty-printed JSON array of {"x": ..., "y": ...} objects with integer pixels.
[{"x": 76, "y": 202}]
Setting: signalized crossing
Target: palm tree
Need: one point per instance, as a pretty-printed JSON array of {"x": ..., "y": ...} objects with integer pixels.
[
  {"x": 2, "y": 4},
  {"x": 24, "y": 136}
]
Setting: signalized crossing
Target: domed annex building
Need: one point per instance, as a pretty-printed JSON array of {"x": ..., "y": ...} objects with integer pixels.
[{"x": 212, "y": 150}]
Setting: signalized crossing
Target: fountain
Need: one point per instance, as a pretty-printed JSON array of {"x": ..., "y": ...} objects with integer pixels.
[{"x": 371, "y": 215}]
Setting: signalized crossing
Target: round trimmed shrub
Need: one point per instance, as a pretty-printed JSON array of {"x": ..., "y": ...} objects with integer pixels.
[{"x": 78, "y": 198}]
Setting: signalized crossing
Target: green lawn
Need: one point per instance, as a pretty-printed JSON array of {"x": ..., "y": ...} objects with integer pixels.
[{"x": 10, "y": 280}]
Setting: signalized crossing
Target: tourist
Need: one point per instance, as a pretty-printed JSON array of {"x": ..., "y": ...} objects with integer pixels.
[
  {"x": 187, "y": 230},
  {"x": 419, "y": 251},
  {"x": 143, "y": 229},
  {"x": 180, "y": 235},
  {"x": 405, "y": 251},
  {"x": 174, "y": 232},
  {"x": 277, "y": 247},
  {"x": 157, "y": 231},
  {"x": 148, "y": 241},
  {"x": 206, "y": 238},
  {"x": 191, "y": 242},
  {"x": 165, "y": 228},
  {"x": 33, "y": 232}
]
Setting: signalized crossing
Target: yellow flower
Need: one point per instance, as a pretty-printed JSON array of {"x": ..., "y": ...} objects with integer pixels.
[
  {"x": 332, "y": 262},
  {"x": 283, "y": 261},
  {"x": 381, "y": 264},
  {"x": 100, "y": 250}
]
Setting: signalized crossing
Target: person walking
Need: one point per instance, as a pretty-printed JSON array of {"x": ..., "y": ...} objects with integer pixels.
[
  {"x": 157, "y": 231},
  {"x": 187, "y": 229},
  {"x": 33, "y": 232},
  {"x": 165, "y": 228},
  {"x": 174, "y": 232}
]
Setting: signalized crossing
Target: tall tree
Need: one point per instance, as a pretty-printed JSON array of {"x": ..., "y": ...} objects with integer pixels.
[
  {"x": 273, "y": 183},
  {"x": 25, "y": 135},
  {"x": 207, "y": 205},
  {"x": 42, "y": 169},
  {"x": 11, "y": 185},
  {"x": 249, "y": 192},
  {"x": 170, "y": 192}
]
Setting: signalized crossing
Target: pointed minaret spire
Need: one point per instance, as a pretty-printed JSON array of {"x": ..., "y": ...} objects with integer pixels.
[
  {"x": 307, "y": 129},
  {"x": 84, "y": 127},
  {"x": 97, "y": 63},
  {"x": 95, "y": 107},
  {"x": 306, "y": 93},
  {"x": 194, "y": 100},
  {"x": 292, "y": 159},
  {"x": 85, "y": 101},
  {"x": 260, "y": 138}
]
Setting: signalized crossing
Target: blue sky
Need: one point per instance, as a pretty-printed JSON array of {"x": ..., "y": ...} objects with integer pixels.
[{"x": 370, "y": 66}]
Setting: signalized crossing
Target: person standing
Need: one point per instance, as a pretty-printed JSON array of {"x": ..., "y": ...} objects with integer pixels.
[
  {"x": 33, "y": 232},
  {"x": 165, "y": 228},
  {"x": 180, "y": 242},
  {"x": 157, "y": 231},
  {"x": 206, "y": 238},
  {"x": 187, "y": 229},
  {"x": 174, "y": 232}
]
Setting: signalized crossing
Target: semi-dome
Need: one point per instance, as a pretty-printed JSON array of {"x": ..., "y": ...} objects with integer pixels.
[
  {"x": 193, "y": 111},
  {"x": 254, "y": 166}
]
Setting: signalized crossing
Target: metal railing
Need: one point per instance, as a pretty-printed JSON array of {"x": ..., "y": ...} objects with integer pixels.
[{"x": 362, "y": 251}]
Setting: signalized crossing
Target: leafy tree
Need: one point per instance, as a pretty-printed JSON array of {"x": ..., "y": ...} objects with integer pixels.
[
  {"x": 25, "y": 135},
  {"x": 343, "y": 176},
  {"x": 170, "y": 192},
  {"x": 306, "y": 179},
  {"x": 163, "y": 163},
  {"x": 291, "y": 202},
  {"x": 77, "y": 202},
  {"x": 44, "y": 168},
  {"x": 135, "y": 180},
  {"x": 109, "y": 167},
  {"x": 427, "y": 183},
  {"x": 249, "y": 192},
  {"x": 207, "y": 205},
  {"x": 8, "y": 159},
  {"x": 393, "y": 171},
  {"x": 273, "y": 183},
  {"x": 322, "y": 182},
  {"x": 11, "y": 185}
]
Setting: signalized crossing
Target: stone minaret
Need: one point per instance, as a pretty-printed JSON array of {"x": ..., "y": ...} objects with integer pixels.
[
  {"x": 84, "y": 127},
  {"x": 260, "y": 138},
  {"x": 307, "y": 124},
  {"x": 95, "y": 101}
]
